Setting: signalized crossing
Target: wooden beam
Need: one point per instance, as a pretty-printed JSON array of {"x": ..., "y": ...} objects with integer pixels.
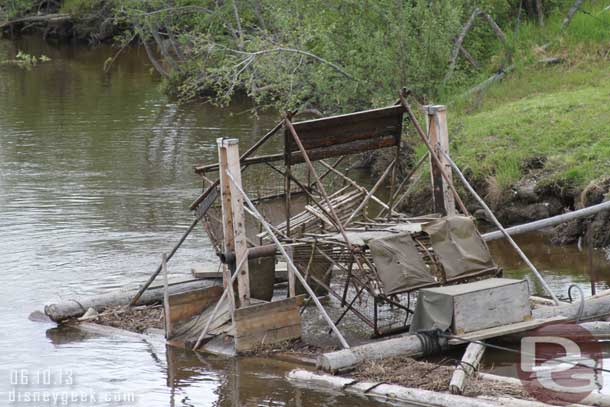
[
  {"x": 227, "y": 217},
  {"x": 239, "y": 219},
  {"x": 436, "y": 121},
  {"x": 467, "y": 368}
]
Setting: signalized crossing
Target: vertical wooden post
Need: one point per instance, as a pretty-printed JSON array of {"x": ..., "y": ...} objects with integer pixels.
[
  {"x": 291, "y": 278},
  {"x": 227, "y": 217},
  {"x": 166, "y": 306},
  {"x": 239, "y": 220},
  {"x": 436, "y": 120}
]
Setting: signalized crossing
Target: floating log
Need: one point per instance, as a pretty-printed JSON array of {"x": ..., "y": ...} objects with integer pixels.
[
  {"x": 597, "y": 306},
  {"x": 345, "y": 359},
  {"x": 64, "y": 310},
  {"x": 470, "y": 363},
  {"x": 401, "y": 394}
]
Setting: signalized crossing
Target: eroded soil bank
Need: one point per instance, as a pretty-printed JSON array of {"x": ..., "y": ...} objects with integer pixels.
[{"x": 537, "y": 195}]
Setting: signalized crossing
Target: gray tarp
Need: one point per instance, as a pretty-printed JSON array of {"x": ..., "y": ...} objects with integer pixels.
[
  {"x": 398, "y": 263},
  {"x": 458, "y": 245}
]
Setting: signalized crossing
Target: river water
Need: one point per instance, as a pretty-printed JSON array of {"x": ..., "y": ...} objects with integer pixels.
[{"x": 96, "y": 173}]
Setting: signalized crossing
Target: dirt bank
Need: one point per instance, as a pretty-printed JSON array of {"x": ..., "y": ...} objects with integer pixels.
[{"x": 537, "y": 195}]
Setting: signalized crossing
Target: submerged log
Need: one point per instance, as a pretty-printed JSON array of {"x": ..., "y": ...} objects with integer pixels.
[
  {"x": 401, "y": 394},
  {"x": 74, "y": 308}
]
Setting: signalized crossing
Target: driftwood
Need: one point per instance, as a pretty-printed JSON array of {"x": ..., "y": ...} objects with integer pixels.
[
  {"x": 401, "y": 394},
  {"x": 64, "y": 310},
  {"x": 467, "y": 368}
]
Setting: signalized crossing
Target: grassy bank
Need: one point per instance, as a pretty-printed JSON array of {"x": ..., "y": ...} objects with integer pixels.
[{"x": 556, "y": 116}]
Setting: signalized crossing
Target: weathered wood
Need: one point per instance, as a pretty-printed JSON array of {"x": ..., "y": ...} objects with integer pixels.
[
  {"x": 571, "y": 13},
  {"x": 291, "y": 265},
  {"x": 166, "y": 308},
  {"x": 439, "y": 139},
  {"x": 291, "y": 278},
  {"x": 370, "y": 193},
  {"x": 67, "y": 309},
  {"x": 499, "y": 226},
  {"x": 403, "y": 93},
  {"x": 239, "y": 220},
  {"x": 410, "y": 345},
  {"x": 203, "y": 272},
  {"x": 336, "y": 150},
  {"x": 400, "y": 394},
  {"x": 227, "y": 217},
  {"x": 467, "y": 368},
  {"x": 496, "y": 29},
  {"x": 186, "y": 305},
  {"x": 266, "y": 323},
  {"x": 505, "y": 330},
  {"x": 345, "y": 359}
]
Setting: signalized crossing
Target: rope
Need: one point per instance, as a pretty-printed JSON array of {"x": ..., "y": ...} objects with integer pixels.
[
  {"x": 581, "y": 307},
  {"x": 430, "y": 341}
]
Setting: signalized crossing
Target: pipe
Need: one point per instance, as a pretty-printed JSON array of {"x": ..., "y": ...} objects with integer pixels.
[{"x": 552, "y": 221}]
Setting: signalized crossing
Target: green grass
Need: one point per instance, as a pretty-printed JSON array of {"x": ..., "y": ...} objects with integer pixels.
[{"x": 559, "y": 112}]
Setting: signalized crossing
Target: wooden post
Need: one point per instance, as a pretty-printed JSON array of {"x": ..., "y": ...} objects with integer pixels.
[
  {"x": 166, "y": 307},
  {"x": 292, "y": 291},
  {"x": 438, "y": 133},
  {"x": 227, "y": 216},
  {"x": 467, "y": 368},
  {"x": 240, "y": 244}
]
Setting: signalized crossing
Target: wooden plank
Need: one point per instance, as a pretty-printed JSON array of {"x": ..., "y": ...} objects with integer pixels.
[
  {"x": 337, "y": 150},
  {"x": 348, "y": 132},
  {"x": 266, "y": 324},
  {"x": 262, "y": 309},
  {"x": 205, "y": 273},
  {"x": 239, "y": 221},
  {"x": 505, "y": 330},
  {"x": 492, "y": 306},
  {"x": 267, "y": 321},
  {"x": 250, "y": 342},
  {"x": 186, "y": 305},
  {"x": 166, "y": 308},
  {"x": 444, "y": 202},
  {"x": 325, "y": 122}
]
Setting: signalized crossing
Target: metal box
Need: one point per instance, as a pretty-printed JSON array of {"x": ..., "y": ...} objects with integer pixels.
[{"x": 473, "y": 306}]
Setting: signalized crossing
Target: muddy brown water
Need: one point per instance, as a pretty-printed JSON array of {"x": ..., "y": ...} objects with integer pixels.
[{"x": 95, "y": 178}]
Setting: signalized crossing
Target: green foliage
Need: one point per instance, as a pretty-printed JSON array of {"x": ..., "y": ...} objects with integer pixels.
[{"x": 14, "y": 8}]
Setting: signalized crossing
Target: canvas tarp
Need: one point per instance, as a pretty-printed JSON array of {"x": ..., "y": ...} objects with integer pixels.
[
  {"x": 399, "y": 265},
  {"x": 458, "y": 246}
]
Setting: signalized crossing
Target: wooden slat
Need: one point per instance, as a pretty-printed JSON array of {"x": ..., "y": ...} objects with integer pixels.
[
  {"x": 265, "y": 324},
  {"x": 338, "y": 150},
  {"x": 346, "y": 131},
  {"x": 186, "y": 305},
  {"x": 504, "y": 330}
]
